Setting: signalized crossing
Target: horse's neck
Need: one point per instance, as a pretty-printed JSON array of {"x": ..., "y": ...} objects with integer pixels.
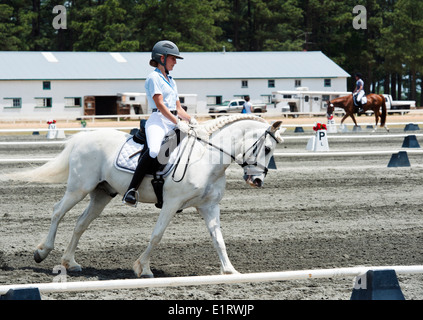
[
  {"x": 342, "y": 102},
  {"x": 231, "y": 137}
]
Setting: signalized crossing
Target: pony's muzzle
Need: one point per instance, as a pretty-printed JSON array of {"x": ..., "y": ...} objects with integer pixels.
[{"x": 253, "y": 181}]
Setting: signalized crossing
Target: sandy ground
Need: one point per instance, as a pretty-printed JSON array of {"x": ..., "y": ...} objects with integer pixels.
[{"x": 312, "y": 212}]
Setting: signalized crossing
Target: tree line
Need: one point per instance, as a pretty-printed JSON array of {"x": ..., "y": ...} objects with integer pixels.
[{"x": 382, "y": 39}]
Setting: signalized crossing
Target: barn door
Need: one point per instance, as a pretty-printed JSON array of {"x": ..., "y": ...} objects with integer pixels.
[{"x": 89, "y": 106}]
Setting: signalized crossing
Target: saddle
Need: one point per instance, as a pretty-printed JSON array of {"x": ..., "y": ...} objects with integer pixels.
[
  {"x": 363, "y": 100},
  {"x": 129, "y": 155}
]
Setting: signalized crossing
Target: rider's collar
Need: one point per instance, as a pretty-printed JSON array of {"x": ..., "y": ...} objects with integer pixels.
[{"x": 161, "y": 74}]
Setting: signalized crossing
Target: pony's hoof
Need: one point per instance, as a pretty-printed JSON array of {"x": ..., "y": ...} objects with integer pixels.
[
  {"x": 37, "y": 257},
  {"x": 76, "y": 268},
  {"x": 147, "y": 276}
]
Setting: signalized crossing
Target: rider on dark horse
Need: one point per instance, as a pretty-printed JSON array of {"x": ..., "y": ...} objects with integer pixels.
[{"x": 358, "y": 92}]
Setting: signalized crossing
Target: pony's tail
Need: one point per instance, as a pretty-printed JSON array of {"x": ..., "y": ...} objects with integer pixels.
[
  {"x": 54, "y": 171},
  {"x": 383, "y": 116}
]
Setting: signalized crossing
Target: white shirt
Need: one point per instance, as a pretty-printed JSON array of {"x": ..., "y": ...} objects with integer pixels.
[
  {"x": 247, "y": 107},
  {"x": 156, "y": 83}
]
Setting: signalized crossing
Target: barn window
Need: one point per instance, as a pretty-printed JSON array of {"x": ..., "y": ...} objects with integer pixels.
[
  {"x": 244, "y": 84},
  {"x": 270, "y": 83},
  {"x": 211, "y": 100},
  {"x": 73, "y": 102},
  {"x": 44, "y": 102},
  {"x": 328, "y": 83},
  {"x": 46, "y": 85},
  {"x": 13, "y": 102}
]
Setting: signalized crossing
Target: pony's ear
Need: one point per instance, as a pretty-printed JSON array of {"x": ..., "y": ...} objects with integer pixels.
[
  {"x": 275, "y": 126},
  {"x": 277, "y": 130}
]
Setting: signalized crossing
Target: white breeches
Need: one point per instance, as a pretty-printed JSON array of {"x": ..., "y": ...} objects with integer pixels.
[
  {"x": 360, "y": 95},
  {"x": 156, "y": 127}
]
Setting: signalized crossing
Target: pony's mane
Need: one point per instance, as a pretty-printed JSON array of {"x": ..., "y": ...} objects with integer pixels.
[{"x": 216, "y": 124}]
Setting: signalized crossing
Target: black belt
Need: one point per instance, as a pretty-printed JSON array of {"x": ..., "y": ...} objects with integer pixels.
[{"x": 174, "y": 112}]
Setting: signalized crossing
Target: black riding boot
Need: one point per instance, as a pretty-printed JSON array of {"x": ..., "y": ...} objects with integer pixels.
[
  {"x": 360, "y": 107},
  {"x": 145, "y": 165}
]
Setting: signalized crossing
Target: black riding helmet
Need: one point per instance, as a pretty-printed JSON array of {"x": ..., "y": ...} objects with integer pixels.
[{"x": 165, "y": 48}]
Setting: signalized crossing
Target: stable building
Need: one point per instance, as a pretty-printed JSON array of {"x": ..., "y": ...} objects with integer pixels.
[{"x": 72, "y": 84}]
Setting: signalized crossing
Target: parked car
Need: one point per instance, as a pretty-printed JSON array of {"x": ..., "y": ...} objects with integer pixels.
[
  {"x": 398, "y": 104},
  {"x": 235, "y": 106}
]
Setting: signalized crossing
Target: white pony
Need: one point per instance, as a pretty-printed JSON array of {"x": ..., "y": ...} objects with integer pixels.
[{"x": 87, "y": 164}]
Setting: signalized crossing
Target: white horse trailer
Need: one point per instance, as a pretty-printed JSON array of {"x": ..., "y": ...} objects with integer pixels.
[{"x": 303, "y": 100}]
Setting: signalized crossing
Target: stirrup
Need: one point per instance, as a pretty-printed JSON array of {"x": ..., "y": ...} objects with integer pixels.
[{"x": 136, "y": 198}]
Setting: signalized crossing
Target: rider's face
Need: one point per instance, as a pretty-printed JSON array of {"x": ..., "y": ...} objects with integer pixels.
[{"x": 170, "y": 62}]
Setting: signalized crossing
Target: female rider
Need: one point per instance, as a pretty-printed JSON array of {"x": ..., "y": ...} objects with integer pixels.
[{"x": 163, "y": 100}]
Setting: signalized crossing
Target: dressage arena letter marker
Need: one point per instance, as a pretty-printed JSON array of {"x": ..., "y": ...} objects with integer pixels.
[
  {"x": 318, "y": 142},
  {"x": 331, "y": 126}
]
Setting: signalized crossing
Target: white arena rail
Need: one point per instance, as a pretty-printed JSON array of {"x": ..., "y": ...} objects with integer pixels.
[
  {"x": 64, "y": 129},
  {"x": 352, "y": 124},
  {"x": 206, "y": 280},
  {"x": 342, "y": 153},
  {"x": 17, "y": 160},
  {"x": 277, "y": 154},
  {"x": 357, "y": 136},
  {"x": 131, "y": 127},
  {"x": 19, "y": 143}
]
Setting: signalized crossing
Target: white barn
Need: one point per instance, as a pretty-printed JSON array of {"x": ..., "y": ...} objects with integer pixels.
[{"x": 71, "y": 84}]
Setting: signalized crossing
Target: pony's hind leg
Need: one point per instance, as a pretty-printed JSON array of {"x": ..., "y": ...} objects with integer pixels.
[
  {"x": 99, "y": 200},
  {"x": 376, "y": 119},
  {"x": 69, "y": 200}
]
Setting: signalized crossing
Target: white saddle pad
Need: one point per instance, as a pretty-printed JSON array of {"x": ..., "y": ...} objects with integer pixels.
[
  {"x": 128, "y": 155},
  {"x": 124, "y": 161}
]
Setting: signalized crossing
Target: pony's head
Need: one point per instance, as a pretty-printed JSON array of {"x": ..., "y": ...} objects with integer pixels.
[
  {"x": 330, "y": 108},
  {"x": 256, "y": 159}
]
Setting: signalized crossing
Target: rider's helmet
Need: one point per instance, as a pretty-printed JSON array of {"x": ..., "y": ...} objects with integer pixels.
[
  {"x": 165, "y": 48},
  {"x": 359, "y": 75}
]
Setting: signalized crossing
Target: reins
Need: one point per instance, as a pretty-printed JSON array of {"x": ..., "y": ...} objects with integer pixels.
[{"x": 244, "y": 163}]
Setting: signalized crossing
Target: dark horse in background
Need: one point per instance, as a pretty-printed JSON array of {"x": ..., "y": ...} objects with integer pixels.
[{"x": 375, "y": 102}]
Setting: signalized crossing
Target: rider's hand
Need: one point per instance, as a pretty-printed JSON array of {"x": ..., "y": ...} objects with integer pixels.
[
  {"x": 193, "y": 121},
  {"x": 183, "y": 126}
]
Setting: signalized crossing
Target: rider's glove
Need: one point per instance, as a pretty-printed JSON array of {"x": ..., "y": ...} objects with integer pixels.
[
  {"x": 183, "y": 126},
  {"x": 193, "y": 121}
]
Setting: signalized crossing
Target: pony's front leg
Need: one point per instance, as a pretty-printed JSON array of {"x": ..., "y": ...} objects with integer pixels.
[
  {"x": 211, "y": 216},
  {"x": 142, "y": 264},
  {"x": 341, "y": 126}
]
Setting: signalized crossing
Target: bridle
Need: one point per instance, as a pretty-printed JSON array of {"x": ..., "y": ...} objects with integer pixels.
[
  {"x": 243, "y": 163},
  {"x": 257, "y": 145}
]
